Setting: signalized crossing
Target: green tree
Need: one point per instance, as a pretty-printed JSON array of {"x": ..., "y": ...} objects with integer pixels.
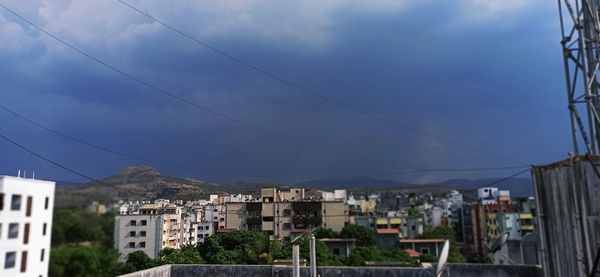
[
  {"x": 324, "y": 256},
  {"x": 323, "y": 233},
  {"x": 361, "y": 254},
  {"x": 428, "y": 258},
  {"x": 454, "y": 256},
  {"x": 185, "y": 255},
  {"x": 276, "y": 250},
  {"x": 239, "y": 247},
  {"x": 444, "y": 232},
  {"x": 363, "y": 235},
  {"x": 74, "y": 261},
  {"x": 440, "y": 232},
  {"x": 139, "y": 260}
]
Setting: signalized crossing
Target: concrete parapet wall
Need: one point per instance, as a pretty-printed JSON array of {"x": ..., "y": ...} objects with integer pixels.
[
  {"x": 159, "y": 271},
  {"x": 467, "y": 270}
]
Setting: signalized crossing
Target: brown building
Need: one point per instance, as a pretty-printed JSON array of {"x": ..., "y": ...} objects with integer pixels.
[
  {"x": 483, "y": 217},
  {"x": 284, "y": 220}
]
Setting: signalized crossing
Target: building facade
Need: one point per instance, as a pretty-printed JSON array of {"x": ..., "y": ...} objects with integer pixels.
[{"x": 26, "y": 207}]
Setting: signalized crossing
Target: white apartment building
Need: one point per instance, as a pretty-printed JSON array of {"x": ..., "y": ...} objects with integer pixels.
[
  {"x": 487, "y": 195},
  {"x": 26, "y": 207},
  {"x": 150, "y": 229},
  {"x": 135, "y": 232}
]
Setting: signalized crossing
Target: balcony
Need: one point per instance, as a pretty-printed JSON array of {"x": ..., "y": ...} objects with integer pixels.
[
  {"x": 527, "y": 227},
  {"x": 254, "y": 220},
  {"x": 525, "y": 216},
  {"x": 302, "y": 219}
]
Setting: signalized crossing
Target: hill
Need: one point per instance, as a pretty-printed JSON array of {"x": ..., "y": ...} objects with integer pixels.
[
  {"x": 142, "y": 180},
  {"x": 147, "y": 181}
]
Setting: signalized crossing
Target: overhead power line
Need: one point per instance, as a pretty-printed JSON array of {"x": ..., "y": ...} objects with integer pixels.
[
  {"x": 239, "y": 174},
  {"x": 67, "y": 168},
  {"x": 195, "y": 105},
  {"x": 314, "y": 93},
  {"x": 507, "y": 178},
  {"x": 48, "y": 160}
]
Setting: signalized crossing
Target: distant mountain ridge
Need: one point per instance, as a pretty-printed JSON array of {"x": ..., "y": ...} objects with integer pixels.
[
  {"x": 147, "y": 181},
  {"x": 520, "y": 187}
]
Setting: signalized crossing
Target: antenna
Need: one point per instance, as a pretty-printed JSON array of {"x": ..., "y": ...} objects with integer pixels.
[
  {"x": 19, "y": 173},
  {"x": 33, "y": 177}
]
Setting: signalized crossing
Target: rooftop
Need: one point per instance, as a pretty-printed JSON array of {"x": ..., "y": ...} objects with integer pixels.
[
  {"x": 338, "y": 240},
  {"x": 387, "y": 231},
  {"x": 421, "y": 240},
  {"x": 412, "y": 253}
]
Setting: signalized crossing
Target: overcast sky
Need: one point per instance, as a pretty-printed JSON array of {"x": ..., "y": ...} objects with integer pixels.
[{"x": 485, "y": 74}]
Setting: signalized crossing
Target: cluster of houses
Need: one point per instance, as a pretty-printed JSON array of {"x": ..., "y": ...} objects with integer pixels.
[{"x": 398, "y": 220}]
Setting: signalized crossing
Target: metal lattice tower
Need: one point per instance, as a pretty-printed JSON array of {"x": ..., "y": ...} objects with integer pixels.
[{"x": 580, "y": 30}]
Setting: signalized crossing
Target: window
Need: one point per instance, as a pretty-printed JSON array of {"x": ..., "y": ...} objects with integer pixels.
[
  {"x": 10, "y": 259},
  {"x": 26, "y": 234},
  {"x": 142, "y": 233},
  {"x": 336, "y": 251},
  {"x": 46, "y": 202},
  {"x": 205, "y": 227},
  {"x": 132, "y": 234},
  {"x": 132, "y": 222},
  {"x": 15, "y": 202},
  {"x": 142, "y": 244},
  {"x": 1, "y": 201},
  {"x": 287, "y": 212},
  {"x": 44, "y": 229},
  {"x": 425, "y": 250},
  {"x": 24, "y": 261},
  {"x": 28, "y": 208},
  {"x": 42, "y": 255},
  {"x": 13, "y": 230},
  {"x": 287, "y": 226},
  {"x": 268, "y": 219},
  {"x": 132, "y": 245},
  {"x": 144, "y": 222}
]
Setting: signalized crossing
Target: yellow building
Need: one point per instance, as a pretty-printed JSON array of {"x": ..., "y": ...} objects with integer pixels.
[{"x": 492, "y": 224}]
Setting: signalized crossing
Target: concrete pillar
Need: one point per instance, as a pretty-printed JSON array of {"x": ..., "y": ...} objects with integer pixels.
[
  {"x": 313, "y": 256},
  {"x": 296, "y": 260}
]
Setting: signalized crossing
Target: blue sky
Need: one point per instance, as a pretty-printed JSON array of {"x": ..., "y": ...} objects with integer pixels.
[{"x": 487, "y": 74}]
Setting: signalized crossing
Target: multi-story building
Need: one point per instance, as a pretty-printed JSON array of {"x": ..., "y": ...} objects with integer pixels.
[
  {"x": 509, "y": 222},
  {"x": 455, "y": 197},
  {"x": 204, "y": 230},
  {"x": 142, "y": 232},
  {"x": 274, "y": 195},
  {"x": 463, "y": 224},
  {"x": 487, "y": 195},
  {"x": 284, "y": 220},
  {"x": 152, "y": 228},
  {"x": 26, "y": 207},
  {"x": 412, "y": 227}
]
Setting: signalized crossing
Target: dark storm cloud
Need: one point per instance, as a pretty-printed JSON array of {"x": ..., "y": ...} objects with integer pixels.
[{"x": 485, "y": 75}]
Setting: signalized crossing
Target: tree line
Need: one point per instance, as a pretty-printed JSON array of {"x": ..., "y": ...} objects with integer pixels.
[{"x": 82, "y": 245}]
